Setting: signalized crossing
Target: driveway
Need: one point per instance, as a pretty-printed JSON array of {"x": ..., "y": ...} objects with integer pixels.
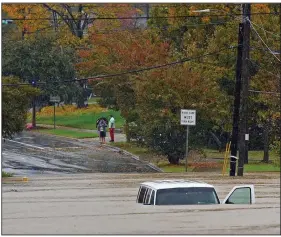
[{"x": 32, "y": 153}]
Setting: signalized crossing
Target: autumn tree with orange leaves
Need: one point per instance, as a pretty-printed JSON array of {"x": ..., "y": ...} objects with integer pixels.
[
  {"x": 71, "y": 23},
  {"x": 150, "y": 99}
]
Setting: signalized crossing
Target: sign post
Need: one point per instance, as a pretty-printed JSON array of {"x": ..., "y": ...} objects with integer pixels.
[
  {"x": 55, "y": 115},
  {"x": 55, "y": 99},
  {"x": 188, "y": 117}
]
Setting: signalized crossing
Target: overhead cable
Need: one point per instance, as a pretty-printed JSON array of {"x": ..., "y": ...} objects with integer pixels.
[
  {"x": 141, "y": 17},
  {"x": 154, "y": 67},
  {"x": 263, "y": 41},
  {"x": 99, "y": 77}
]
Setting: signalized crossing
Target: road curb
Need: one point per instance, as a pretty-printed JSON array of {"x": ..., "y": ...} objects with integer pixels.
[
  {"x": 15, "y": 179},
  {"x": 134, "y": 157},
  {"x": 117, "y": 130}
]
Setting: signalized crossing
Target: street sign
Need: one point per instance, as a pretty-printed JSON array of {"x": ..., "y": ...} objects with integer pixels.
[
  {"x": 55, "y": 99},
  {"x": 188, "y": 117}
]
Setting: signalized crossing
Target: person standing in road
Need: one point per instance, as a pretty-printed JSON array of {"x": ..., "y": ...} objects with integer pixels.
[
  {"x": 111, "y": 128},
  {"x": 98, "y": 127},
  {"x": 102, "y": 129}
]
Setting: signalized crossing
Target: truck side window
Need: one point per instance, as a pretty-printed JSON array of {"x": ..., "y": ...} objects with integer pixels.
[
  {"x": 147, "y": 196},
  {"x": 141, "y": 194},
  {"x": 152, "y": 198}
]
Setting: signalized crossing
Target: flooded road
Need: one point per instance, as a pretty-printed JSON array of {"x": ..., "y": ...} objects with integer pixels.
[
  {"x": 32, "y": 153},
  {"x": 105, "y": 204}
]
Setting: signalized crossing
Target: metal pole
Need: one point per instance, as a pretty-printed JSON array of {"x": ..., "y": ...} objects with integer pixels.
[
  {"x": 55, "y": 115},
  {"x": 33, "y": 113},
  {"x": 186, "y": 149}
]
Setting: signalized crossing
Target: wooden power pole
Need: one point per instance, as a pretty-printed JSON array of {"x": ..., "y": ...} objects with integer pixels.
[
  {"x": 280, "y": 80},
  {"x": 235, "y": 123},
  {"x": 245, "y": 76}
]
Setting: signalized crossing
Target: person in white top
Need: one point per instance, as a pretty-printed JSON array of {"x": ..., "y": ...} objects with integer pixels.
[{"x": 111, "y": 128}]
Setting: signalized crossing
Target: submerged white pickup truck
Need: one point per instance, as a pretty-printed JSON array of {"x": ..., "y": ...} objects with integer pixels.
[{"x": 186, "y": 192}]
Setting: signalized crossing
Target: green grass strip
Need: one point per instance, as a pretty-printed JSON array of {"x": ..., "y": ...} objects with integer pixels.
[
  {"x": 68, "y": 133},
  {"x": 261, "y": 167},
  {"x": 5, "y": 174},
  {"x": 84, "y": 121}
]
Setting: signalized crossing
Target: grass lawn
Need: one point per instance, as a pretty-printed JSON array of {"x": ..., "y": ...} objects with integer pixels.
[
  {"x": 254, "y": 167},
  {"x": 132, "y": 147},
  {"x": 260, "y": 167},
  {"x": 5, "y": 174},
  {"x": 253, "y": 155},
  {"x": 166, "y": 167},
  {"x": 175, "y": 168},
  {"x": 93, "y": 100},
  {"x": 68, "y": 133},
  {"x": 85, "y": 120}
]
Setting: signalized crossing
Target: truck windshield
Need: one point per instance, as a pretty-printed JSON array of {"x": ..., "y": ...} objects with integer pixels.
[{"x": 186, "y": 196}]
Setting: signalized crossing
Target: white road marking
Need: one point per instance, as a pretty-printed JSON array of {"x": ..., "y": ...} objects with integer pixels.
[
  {"x": 18, "y": 138},
  {"x": 67, "y": 147},
  {"x": 25, "y": 144}
]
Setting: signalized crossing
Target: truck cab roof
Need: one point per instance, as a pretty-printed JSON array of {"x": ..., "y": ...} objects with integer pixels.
[{"x": 167, "y": 184}]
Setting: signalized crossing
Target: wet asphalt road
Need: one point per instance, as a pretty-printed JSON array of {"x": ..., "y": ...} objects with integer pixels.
[{"x": 30, "y": 153}]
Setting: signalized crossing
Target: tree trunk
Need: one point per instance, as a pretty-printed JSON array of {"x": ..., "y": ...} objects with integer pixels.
[
  {"x": 217, "y": 140},
  {"x": 82, "y": 96},
  {"x": 81, "y": 103},
  {"x": 126, "y": 128},
  {"x": 173, "y": 160},
  {"x": 266, "y": 143}
]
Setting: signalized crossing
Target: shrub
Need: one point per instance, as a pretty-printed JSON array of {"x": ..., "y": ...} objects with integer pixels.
[
  {"x": 69, "y": 110},
  {"x": 5, "y": 174}
]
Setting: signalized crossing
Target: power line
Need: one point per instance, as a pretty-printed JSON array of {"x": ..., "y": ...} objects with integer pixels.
[
  {"x": 24, "y": 84},
  {"x": 263, "y": 40},
  {"x": 263, "y": 50},
  {"x": 266, "y": 92},
  {"x": 154, "y": 67},
  {"x": 99, "y": 77},
  {"x": 100, "y": 32},
  {"x": 263, "y": 68},
  {"x": 265, "y": 30},
  {"x": 140, "y": 17}
]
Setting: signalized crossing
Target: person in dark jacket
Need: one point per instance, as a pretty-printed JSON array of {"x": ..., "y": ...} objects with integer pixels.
[
  {"x": 102, "y": 129},
  {"x": 97, "y": 125}
]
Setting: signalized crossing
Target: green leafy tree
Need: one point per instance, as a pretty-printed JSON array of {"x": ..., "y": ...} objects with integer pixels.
[
  {"x": 42, "y": 60},
  {"x": 118, "y": 52},
  {"x": 161, "y": 96},
  {"x": 263, "y": 70},
  {"x": 15, "y": 103}
]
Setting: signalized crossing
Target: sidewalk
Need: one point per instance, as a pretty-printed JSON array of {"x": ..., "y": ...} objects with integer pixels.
[{"x": 118, "y": 136}]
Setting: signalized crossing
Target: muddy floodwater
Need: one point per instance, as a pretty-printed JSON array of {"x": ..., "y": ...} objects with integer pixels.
[{"x": 105, "y": 204}]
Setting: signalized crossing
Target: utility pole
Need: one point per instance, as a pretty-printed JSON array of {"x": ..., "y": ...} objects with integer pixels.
[
  {"x": 33, "y": 83},
  {"x": 280, "y": 79},
  {"x": 235, "y": 123},
  {"x": 245, "y": 76}
]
